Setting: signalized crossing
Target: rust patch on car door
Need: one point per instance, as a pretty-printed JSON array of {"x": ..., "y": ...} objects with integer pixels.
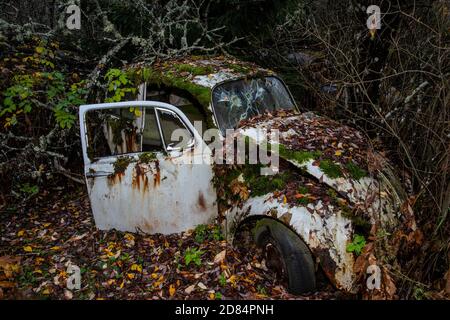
[
  {"x": 157, "y": 175},
  {"x": 201, "y": 201},
  {"x": 140, "y": 179},
  {"x": 115, "y": 178}
]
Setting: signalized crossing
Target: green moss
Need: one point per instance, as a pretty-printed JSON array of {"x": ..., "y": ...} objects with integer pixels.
[
  {"x": 258, "y": 184},
  {"x": 194, "y": 70},
  {"x": 150, "y": 75},
  {"x": 302, "y": 190},
  {"x": 147, "y": 157},
  {"x": 298, "y": 156},
  {"x": 172, "y": 79},
  {"x": 332, "y": 193},
  {"x": 121, "y": 164},
  {"x": 202, "y": 94},
  {"x": 304, "y": 201},
  {"x": 278, "y": 183},
  {"x": 261, "y": 185},
  {"x": 358, "y": 221},
  {"x": 169, "y": 77},
  {"x": 355, "y": 171},
  {"x": 330, "y": 169},
  {"x": 238, "y": 68}
]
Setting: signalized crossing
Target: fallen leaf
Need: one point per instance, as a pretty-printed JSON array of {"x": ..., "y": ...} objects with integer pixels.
[
  {"x": 136, "y": 267},
  {"x": 220, "y": 257},
  {"x": 7, "y": 284},
  {"x": 77, "y": 238},
  {"x": 68, "y": 294},
  {"x": 111, "y": 281},
  {"x": 172, "y": 290},
  {"x": 189, "y": 289},
  {"x": 9, "y": 265},
  {"x": 27, "y": 249},
  {"x": 202, "y": 286},
  {"x": 232, "y": 280}
]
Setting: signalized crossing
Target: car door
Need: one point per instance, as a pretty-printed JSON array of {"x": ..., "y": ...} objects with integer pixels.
[{"x": 138, "y": 179}]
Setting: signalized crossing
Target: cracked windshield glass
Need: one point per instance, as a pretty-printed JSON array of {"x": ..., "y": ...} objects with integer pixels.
[{"x": 242, "y": 99}]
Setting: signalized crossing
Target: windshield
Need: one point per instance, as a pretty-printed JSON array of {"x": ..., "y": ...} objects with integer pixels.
[{"x": 242, "y": 99}]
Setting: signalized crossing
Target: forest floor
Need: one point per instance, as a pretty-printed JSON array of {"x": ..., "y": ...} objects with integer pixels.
[{"x": 56, "y": 229}]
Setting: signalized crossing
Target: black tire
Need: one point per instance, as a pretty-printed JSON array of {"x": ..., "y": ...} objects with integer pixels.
[{"x": 295, "y": 256}]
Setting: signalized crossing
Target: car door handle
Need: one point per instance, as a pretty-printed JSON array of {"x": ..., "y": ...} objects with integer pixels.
[{"x": 98, "y": 174}]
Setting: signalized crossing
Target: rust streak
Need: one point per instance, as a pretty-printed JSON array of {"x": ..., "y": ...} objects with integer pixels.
[
  {"x": 140, "y": 174},
  {"x": 130, "y": 141},
  {"x": 157, "y": 175},
  {"x": 115, "y": 177},
  {"x": 201, "y": 201}
]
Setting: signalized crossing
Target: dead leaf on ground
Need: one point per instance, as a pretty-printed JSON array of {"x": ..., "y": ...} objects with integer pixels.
[{"x": 220, "y": 257}]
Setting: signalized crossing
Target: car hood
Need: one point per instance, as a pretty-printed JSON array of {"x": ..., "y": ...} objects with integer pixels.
[{"x": 338, "y": 156}]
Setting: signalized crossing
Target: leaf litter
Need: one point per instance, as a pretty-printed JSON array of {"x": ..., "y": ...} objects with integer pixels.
[{"x": 40, "y": 240}]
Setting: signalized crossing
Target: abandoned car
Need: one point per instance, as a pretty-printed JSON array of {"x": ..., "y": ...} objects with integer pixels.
[{"x": 329, "y": 187}]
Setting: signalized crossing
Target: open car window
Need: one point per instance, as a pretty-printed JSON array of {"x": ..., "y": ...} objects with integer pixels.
[
  {"x": 242, "y": 99},
  {"x": 175, "y": 134},
  {"x": 118, "y": 131},
  {"x": 180, "y": 99}
]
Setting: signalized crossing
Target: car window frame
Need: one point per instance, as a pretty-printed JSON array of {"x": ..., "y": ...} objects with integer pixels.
[{"x": 84, "y": 109}]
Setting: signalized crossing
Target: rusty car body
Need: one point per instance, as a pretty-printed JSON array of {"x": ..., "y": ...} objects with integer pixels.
[{"x": 332, "y": 182}]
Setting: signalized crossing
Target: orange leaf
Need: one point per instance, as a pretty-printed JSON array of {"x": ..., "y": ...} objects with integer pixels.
[{"x": 172, "y": 290}]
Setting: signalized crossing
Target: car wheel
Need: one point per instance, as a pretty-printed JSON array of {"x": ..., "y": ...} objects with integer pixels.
[{"x": 287, "y": 255}]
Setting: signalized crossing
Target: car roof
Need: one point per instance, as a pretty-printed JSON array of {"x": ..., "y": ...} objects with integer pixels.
[{"x": 197, "y": 74}]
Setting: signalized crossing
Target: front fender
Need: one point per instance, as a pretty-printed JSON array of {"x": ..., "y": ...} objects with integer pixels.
[{"x": 322, "y": 227}]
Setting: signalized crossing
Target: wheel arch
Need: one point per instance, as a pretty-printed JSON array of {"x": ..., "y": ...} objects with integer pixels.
[
  {"x": 255, "y": 218},
  {"x": 327, "y": 241}
]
